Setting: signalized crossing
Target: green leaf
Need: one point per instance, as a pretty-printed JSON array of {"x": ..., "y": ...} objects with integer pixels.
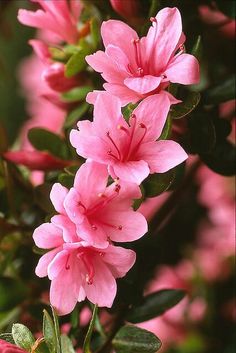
[
  {"x": 202, "y": 133},
  {"x": 66, "y": 345},
  {"x": 45, "y": 140},
  {"x": 166, "y": 132},
  {"x": 22, "y": 336},
  {"x": 197, "y": 48},
  {"x": 77, "y": 62},
  {"x": 132, "y": 339},
  {"x": 42, "y": 199},
  {"x": 57, "y": 331},
  {"x": 57, "y": 54},
  {"x": 128, "y": 110},
  {"x": 8, "y": 317},
  {"x": 86, "y": 346},
  {"x": 190, "y": 101},
  {"x": 155, "y": 304},
  {"x": 49, "y": 332},
  {"x": 221, "y": 93},
  {"x": 66, "y": 180},
  {"x": 76, "y": 94},
  {"x": 76, "y": 115},
  {"x": 156, "y": 184},
  {"x": 7, "y": 337}
]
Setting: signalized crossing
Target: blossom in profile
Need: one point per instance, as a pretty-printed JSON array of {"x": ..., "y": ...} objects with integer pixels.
[
  {"x": 101, "y": 213},
  {"x": 130, "y": 150},
  {"x": 59, "y": 17},
  {"x": 137, "y": 67},
  {"x": 78, "y": 270}
]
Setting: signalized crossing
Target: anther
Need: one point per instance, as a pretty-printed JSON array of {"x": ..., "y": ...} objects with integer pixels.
[
  {"x": 153, "y": 19},
  {"x": 101, "y": 194},
  {"x": 67, "y": 266},
  {"x": 120, "y": 227},
  {"x": 117, "y": 188},
  {"x": 94, "y": 227},
  {"x": 89, "y": 280},
  {"x": 142, "y": 125}
]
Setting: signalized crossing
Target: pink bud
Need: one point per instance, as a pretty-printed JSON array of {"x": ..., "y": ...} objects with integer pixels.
[
  {"x": 126, "y": 8},
  {"x": 54, "y": 76},
  {"x": 36, "y": 160},
  {"x": 6, "y": 347}
]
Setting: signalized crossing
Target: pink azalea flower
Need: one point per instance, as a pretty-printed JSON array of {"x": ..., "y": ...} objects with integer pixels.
[
  {"x": 59, "y": 17},
  {"x": 100, "y": 213},
  {"x": 78, "y": 270},
  {"x": 126, "y": 8},
  {"x": 130, "y": 150},
  {"x": 6, "y": 347},
  {"x": 135, "y": 68}
]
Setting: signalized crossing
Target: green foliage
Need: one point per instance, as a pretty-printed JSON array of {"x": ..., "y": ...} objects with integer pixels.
[
  {"x": 154, "y": 305},
  {"x": 12, "y": 292},
  {"x": 49, "y": 332},
  {"x": 156, "y": 184},
  {"x": 76, "y": 94},
  {"x": 131, "y": 339},
  {"x": 86, "y": 346},
  {"x": 190, "y": 101},
  {"x": 222, "y": 92},
  {"x": 76, "y": 114},
  {"x": 22, "y": 336}
]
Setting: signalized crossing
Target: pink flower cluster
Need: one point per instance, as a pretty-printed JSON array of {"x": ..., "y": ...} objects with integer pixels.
[{"x": 83, "y": 259}]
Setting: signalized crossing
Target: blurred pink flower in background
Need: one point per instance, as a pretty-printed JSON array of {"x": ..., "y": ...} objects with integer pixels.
[
  {"x": 59, "y": 17},
  {"x": 126, "y": 8},
  {"x": 135, "y": 68},
  {"x": 6, "y": 347}
]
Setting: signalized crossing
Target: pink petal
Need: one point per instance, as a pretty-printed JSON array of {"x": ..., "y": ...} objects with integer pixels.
[
  {"x": 107, "y": 113},
  {"x": 74, "y": 210},
  {"x": 120, "y": 35},
  {"x": 90, "y": 181},
  {"x": 133, "y": 171},
  {"x": 144, "y": 84},
  {"x": 67, "y": 227},
  {"x": 44, "y": 261},
  {"x": 165, "y": 37},
  {"x": 66, "y": 288},
  {"x": 152, "y": 117},
  {"x": 124, "y": 226},
  {"x": 93, "y": 234},
  {"x": 162, "y": 156},
  {"x": 103, "y": 290},
  {"x": 119, "y": 260},
  {"x": 100, "y": 62},
  {"x": 183, "y": 69},
  {"x": 119, "y": 58},
  {"x": 125, "y": 94},
  {"x": 57, "y": 196},
  {"x": 92, "y": 96},
  {"x": 58, "y": 264},
  {"x": 47, "y": 236}
]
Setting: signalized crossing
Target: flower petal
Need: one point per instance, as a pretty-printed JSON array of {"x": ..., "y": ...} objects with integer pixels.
[
  {"x": 48, "y": 236},
  {"x": 119, "y": 260},
  {"x": 144, "y": 84},
  {"x": 183, "y": 69},
  {"x": 133, "y": 171},
  {"x": 57, "y": 196},
  {"x": 44, "y": 261}
]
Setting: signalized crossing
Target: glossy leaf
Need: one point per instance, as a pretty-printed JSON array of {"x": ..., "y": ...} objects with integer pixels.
[
  {"x": 156, "y": 184},
  {"x": 95, "y": 32},
  {"x": 45, "y": 140},
  {"x": 76, "y": 94},
  {"x": 155, "y": 304},
  {"x": 166, "y": 132},
  {"x": 223, "y": 92},
  {"x": 132, "y": 339},
  {"x": 202, "y": 133},
  {"x": 76, "y": 114},
  {"x": 190, "y": 101}
]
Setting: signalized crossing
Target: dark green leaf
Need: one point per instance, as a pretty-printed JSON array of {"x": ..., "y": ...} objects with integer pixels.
[
  {"x": 42, "y": 199},
  {"x": 166, "y": 132},
  {"x": 45, "y": 140},
  {"x": 76, "y": 94},
  {"x": 95, "y": 32},
  {"x": 155, "y": 304},
  {"x": 202, "y": 133},
  {"x": 132, "y": 339},
  {"x": 22, "y": 336},
  {"x": 127, "y": 110},
  {"x": 66, "y": 345},
  {"x": 222, "y": 158},
  {"x": 86, "y": 346},
  {"x": 7, "y": 337},
  {"x": 77, "y": 62},
  {"x": 66, "y": 180},
  {"x": 190, "y": 101},
  {"x": 221, "y": 93},
  {"x": 76, "y": 115},
  {"x": 156, "y": 184},
  {"x": 49, "y": 332}
]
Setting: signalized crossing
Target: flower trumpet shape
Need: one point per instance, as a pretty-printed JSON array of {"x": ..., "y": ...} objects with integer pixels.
[
  {"x": 59, "y": 17},
  {"x": 135, "y": 68},
  {"x": 130, "y": 150},
  {"x": 101, "y": 213},
  {"x": 78, "y": 270}
]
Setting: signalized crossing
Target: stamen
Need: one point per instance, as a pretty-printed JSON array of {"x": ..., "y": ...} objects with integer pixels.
[
  {"x": 120, "y": 127},
  {"x": 89, "y": 268},
  {"x": 153, "y": 19},
  {"x": 117, "y": 188},
  {"x": 101, "y": 194},
  {"x": 102, "y": 254},
  {"x": 140, "y": 71},
  {"x": 114, "y": 144},
  {"x": 138, "y": 55},
  {"x": 109, "y": 152},
  {"x": 94, "y": 227},
  {"x": 80, "y": 204},
  {"x": 67, "y": 266},
  {"x": 120, "y": 227}
]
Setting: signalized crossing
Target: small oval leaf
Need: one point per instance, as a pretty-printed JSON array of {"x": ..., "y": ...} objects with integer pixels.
[{"x": 22, "y": 336}]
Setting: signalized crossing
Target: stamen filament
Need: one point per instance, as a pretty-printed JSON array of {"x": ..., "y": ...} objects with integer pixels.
[{"x": 114, "y": 144}]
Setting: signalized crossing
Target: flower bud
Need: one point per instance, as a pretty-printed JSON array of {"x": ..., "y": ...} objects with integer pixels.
[
  {"x": 36, "y": 160},
  {"x": 126, "y": 8},
  {"x": 54, "y": 76}
]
